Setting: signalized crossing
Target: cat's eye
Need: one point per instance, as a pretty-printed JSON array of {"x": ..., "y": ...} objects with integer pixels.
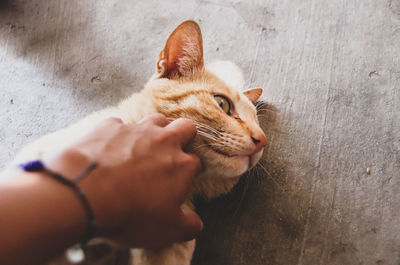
[{"x": 224, "y": 103}]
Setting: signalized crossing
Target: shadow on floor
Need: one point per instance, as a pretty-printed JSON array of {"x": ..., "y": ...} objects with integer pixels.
[{"x": 47, "y": 34}]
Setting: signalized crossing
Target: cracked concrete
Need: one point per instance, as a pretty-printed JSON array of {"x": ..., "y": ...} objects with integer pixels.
[{"x": 330, "y": 68}]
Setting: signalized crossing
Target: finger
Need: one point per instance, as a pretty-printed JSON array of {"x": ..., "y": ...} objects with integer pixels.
[
  {"x": 156, "y": 118},
  {"x": 190, "y": 224},
  {"x": 189, "y": 169},
  {"x": 183, "y": 129},
  {"x": 190, "y": 166}
]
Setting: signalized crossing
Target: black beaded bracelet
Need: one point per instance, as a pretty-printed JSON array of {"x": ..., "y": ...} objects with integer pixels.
[{"x": 38, "y": 166}]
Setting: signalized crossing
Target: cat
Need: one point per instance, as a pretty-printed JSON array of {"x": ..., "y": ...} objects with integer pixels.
[{"x": 229, "y": 140}]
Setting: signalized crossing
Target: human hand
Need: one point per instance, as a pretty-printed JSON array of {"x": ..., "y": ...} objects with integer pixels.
[{"x": 142, "y": 179}]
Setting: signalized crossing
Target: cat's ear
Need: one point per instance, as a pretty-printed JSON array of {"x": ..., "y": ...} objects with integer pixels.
[
  {"x": 253, "y": 94},
  {"x": 183, "y": 52}
]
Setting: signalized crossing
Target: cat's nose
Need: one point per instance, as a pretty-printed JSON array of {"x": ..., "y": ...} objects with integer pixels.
[{"x": 259, "y": 140}]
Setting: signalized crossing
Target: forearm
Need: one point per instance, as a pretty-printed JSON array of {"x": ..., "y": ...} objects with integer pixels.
[{"x": 39, "y": 218}]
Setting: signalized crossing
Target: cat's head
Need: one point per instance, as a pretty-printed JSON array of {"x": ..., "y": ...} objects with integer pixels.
[{"x": 229, "y": 139}]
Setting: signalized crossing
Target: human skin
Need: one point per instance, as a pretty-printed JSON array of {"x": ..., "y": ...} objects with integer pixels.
[{"x": 136, "y": 192}]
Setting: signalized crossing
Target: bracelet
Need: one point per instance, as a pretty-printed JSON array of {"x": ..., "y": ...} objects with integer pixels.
[{"x": 38, "y": 166}]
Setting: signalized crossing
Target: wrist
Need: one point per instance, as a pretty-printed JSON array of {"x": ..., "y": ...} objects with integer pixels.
[
  {"x": 62, "y": 202},
  {"x": 69, "y": 168},
  {"x": 70, "y": 162}
]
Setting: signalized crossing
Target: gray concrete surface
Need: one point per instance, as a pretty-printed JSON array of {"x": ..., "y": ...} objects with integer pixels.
[{"x": 331, "y": 68}]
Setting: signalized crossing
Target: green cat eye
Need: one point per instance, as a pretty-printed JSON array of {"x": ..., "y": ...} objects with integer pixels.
[{"x": 224, "y": 103}]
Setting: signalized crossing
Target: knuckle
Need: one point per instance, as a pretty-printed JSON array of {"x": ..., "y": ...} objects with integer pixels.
[
  {"x": 147, "y": 125},
  {"x": 113, "y": 120},
  {"x": 191, "y": 163},
  {"x": 144, "y": 122},
  {"x": 152, "y": 118},
  {"x": 158, "y": 116}
]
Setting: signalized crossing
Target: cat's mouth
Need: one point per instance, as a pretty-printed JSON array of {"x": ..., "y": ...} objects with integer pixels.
[
  {"x": 223, "y": 153},
  {"x": 216, "y": 149}
]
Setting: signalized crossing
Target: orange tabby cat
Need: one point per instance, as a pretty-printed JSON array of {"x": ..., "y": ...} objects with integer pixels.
[{"x": 229, "y": 140}]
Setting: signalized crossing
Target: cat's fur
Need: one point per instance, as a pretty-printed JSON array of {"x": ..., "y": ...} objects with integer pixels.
[{"x": 227, "y": 144}]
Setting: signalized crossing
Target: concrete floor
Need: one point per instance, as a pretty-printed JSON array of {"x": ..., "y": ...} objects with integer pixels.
[{"x": 331, "y": 68}]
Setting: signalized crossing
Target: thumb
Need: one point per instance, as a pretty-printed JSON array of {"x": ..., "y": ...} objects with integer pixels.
[{"x": 191, "y": 224}]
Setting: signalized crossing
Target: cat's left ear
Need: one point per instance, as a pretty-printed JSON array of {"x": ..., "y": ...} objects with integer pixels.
[
  {"x": 253, "y": 94},
  {"x": 183, "y": 52}
]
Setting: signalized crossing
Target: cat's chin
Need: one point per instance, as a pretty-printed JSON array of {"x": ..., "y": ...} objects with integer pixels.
[
  {"x": 229, "y": 166},
  {"x": 238, "y": 163},
  {"x": 221, "y": 172},
  {"x": 255, "y": 158}
]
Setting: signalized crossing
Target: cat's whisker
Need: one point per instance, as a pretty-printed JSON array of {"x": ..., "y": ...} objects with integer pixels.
[
  {"x": 259, "y": 108},
  {"x": 266, "y": 109},
  {"x": 206, "y": 131},
  {"x": 200, "y": 146},
  {"x": 215, "y": 144},
  {"x": 257, "y": 177},
  {"x": 202, "y": 127},
  {"x": 208, "y": 144},
  {"x": 250, "y": 176},
  {"x": 245, "y": 188},
  {"x": 263, "y": 115},
  {"x": 270, "y": 176},
  {"x": 202, "y": 130},
  {"x": 211, "y": 137},
  {"x": 206, "y": 127},
  {"x": 264, "y": 112},
  {"x": 261, "y": 103}
]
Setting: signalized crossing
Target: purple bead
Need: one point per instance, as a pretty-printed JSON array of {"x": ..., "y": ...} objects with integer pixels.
[{"x": 32, "y": 166}]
